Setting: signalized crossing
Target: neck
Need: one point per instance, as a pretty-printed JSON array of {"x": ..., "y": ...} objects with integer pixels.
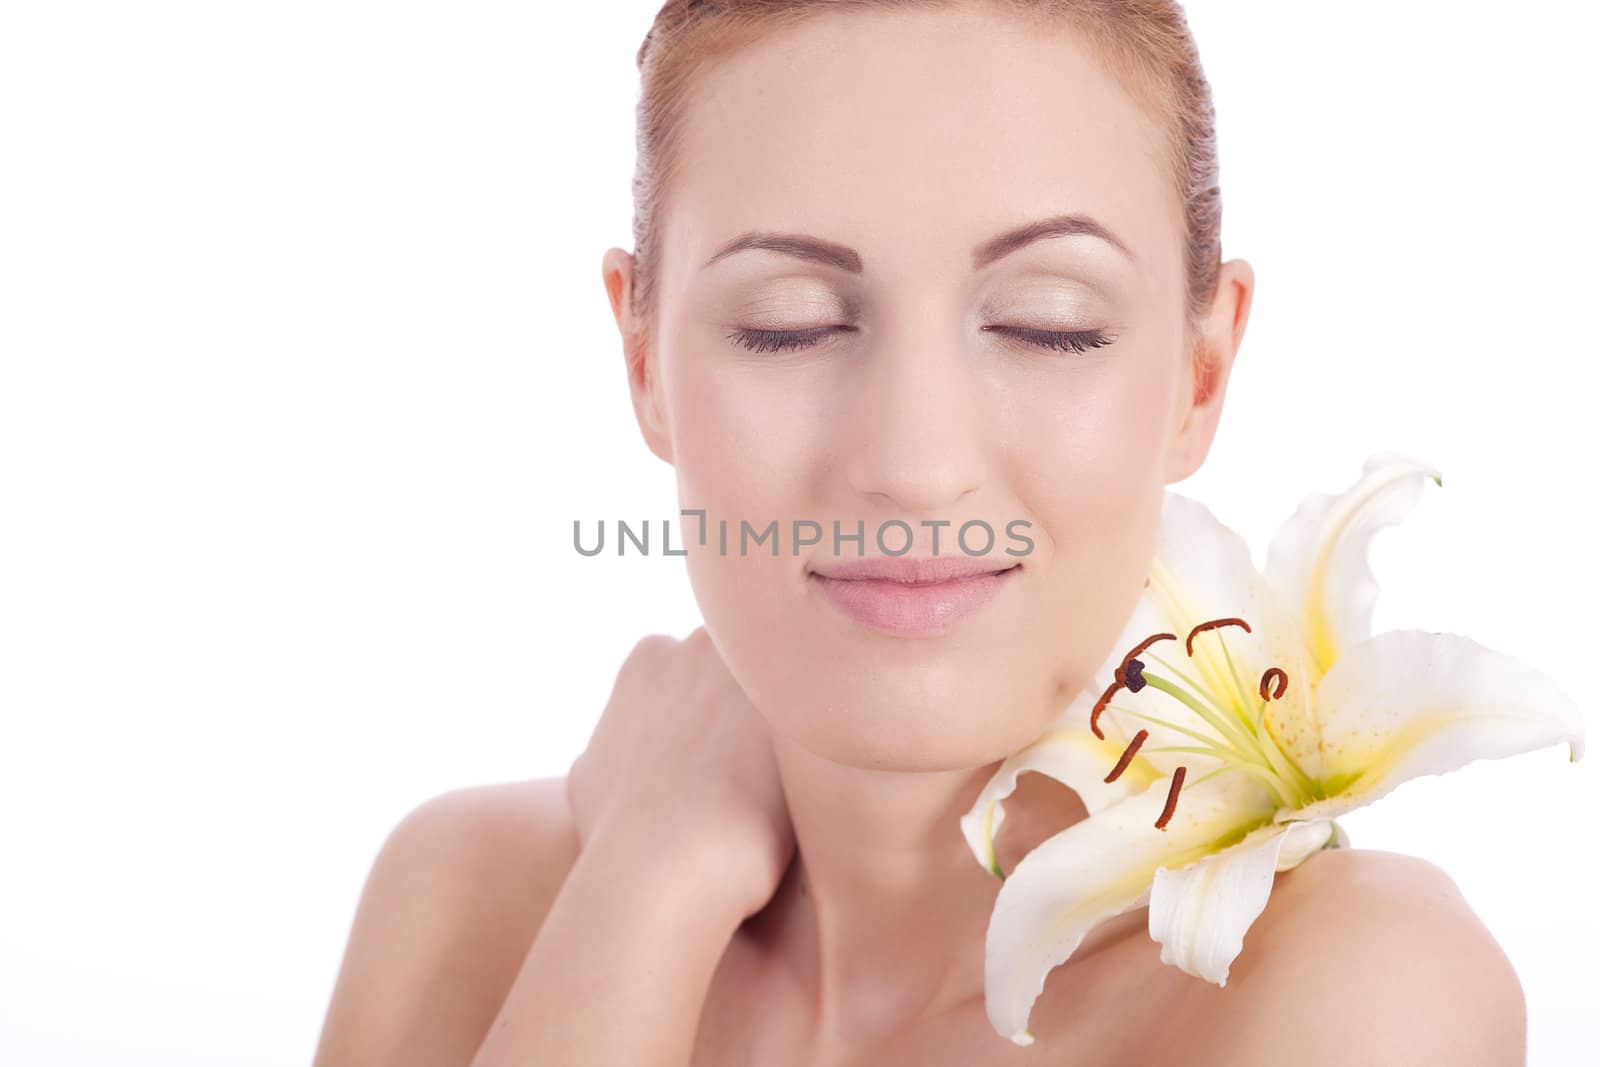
[{"x": 883, "y": 913}]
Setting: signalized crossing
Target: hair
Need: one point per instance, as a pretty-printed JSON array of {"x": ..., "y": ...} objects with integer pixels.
[{"x": 1146, "y": 45}]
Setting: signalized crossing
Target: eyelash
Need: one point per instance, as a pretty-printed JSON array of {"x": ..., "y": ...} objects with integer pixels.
[
  {"x": 1078, "y": 341},
  {"x": 781, "y": 340}
]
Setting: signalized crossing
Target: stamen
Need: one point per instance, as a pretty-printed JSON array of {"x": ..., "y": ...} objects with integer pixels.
[
  {"x": 1123, "y": 676},
  {"x": 1100, "y": 705},
  {"x": 1127, "y": 755},
  {"x": 1146, "y": 643},
  {"x": 1212, "y": 625},
  {"x": 1282, "y": 680},
  {"x": 1172, "y": 798}
]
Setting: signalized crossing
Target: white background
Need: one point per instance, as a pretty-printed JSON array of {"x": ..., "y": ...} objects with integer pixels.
[{"x": 308, "y": 368}]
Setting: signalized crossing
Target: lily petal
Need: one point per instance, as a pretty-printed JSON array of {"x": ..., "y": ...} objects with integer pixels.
[
  {"x": 1409, "y": 703},
  {"x": 1095, "y": 869},
  {"x": 1072, "y": 756},
  {"x": 1199, "y": 914},
  {"x": 1318, "y": 557},
  {"x": 1068, "y": 752}
]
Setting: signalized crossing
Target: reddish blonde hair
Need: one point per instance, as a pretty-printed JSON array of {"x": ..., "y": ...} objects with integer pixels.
[{"x": 1146, "y": 44}]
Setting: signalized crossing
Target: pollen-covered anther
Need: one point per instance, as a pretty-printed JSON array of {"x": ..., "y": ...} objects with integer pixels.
[
  {"x": 1127, "y": 755},
  {"x": 1270, "y": 675},
  {"x": 1133, "y": 675},
  {"x": 1146, "y": 643},
  {"x": 1172, "y": 798},
  {"x": 1188, "y": 645}
]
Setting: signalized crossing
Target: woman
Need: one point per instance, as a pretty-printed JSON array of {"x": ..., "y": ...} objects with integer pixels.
[{"x": 928, "y": 262}]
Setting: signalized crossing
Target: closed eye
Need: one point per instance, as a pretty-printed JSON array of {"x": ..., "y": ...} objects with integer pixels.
[
  {"x": 782, "y": 340},
  {"x": 1057, "y": 340},
  {"x": 793, "y": 340}
]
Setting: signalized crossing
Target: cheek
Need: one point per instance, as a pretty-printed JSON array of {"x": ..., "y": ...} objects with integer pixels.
[
  {"x": 743, "y": 438},
  {"x": 1088, "y": 461},
  {"x": 744, "y": 451}
]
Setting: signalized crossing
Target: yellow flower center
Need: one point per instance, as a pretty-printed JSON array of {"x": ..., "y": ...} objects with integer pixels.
[{"x": 1239, "y": 739}]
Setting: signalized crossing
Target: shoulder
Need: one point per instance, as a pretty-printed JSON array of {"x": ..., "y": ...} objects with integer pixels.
[
  {"x": 451, "y": 904},
  {"x": 518, "y": 828},
  {"x": 1364, "y": 956}
]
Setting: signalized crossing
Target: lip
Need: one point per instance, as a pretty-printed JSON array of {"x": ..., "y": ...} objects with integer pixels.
[{"x": 907, "y": 597}]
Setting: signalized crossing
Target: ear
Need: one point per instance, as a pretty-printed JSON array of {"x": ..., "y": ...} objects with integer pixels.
[
  {"x": 644, "y": 380},
  {"x": 1210, "y": 362}
]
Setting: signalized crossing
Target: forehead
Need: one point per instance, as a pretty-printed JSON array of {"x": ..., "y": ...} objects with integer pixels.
[{"x": 912, "y": 136}]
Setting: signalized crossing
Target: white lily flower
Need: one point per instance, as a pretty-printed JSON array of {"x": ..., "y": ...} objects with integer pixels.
[{"x": 1250, "y": 710}]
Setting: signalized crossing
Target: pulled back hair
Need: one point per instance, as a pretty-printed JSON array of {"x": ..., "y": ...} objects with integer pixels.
[{"x": 1146, "y": 45}]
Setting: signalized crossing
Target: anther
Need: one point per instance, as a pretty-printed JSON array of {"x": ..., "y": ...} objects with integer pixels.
[
  {"x": 1172, "y": 798},
  {"x": 1127, "y": 755},
  {"x": 1282, "y": 680},
  {"x": 1133, "y": 675},
  {"x": 1212, "y": 625},
  {"x": 1146, "y": 643},
  {"x": 1100, "y": 705}
]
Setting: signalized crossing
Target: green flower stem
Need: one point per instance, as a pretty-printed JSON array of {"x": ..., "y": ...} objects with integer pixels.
[
  {"x": 1244, "y": 694},
  {"x": 1192, "y": 684},
  {"x": 1271, "y": 756},
  {"x": 1227, "y": 729},
  {"x": 1269, "y": 779},
  {"x": 1230, "y": 758},
  {"x": 1280, "y": 760},
  {"x": 1231, "y": 754}
]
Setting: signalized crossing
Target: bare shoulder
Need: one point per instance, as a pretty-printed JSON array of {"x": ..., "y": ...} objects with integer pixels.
[
  {"x": 1365, "y": 956},
  {"x": 450, "y": 907},
  {"x": 500, "y": 850}
]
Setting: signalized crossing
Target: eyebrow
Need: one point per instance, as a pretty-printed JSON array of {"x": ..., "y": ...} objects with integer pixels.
[{"x": 845, "y": 258}]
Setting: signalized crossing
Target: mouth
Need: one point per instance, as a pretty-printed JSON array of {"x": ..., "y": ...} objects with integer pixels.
[{"x": 912, "y": 598}]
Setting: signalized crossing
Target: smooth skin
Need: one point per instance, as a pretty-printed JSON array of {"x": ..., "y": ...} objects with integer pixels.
[{"x": 757, "y": 858}]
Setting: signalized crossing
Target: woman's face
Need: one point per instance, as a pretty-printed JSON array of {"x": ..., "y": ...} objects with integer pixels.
[{"x": 906, "y": 385}]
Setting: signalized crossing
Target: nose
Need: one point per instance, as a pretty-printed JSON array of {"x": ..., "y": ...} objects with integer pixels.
[{"x": 919, "y": 421}]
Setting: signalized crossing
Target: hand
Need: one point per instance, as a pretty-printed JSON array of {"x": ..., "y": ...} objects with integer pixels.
[{"x": 681, "y": 760}]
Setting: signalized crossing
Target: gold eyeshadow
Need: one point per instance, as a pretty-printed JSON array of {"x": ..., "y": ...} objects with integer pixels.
[{"x": 793, "y": 302}]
